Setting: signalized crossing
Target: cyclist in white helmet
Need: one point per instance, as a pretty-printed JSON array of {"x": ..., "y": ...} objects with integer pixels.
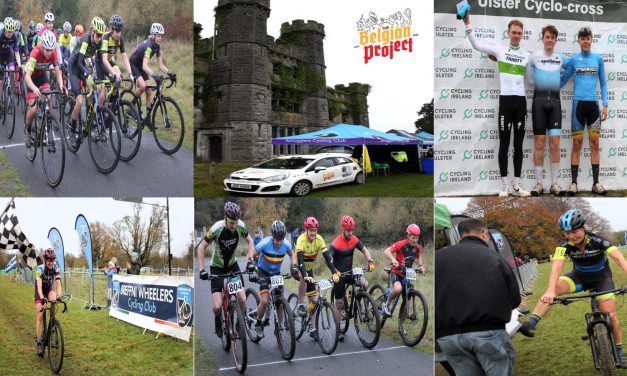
[
  {"x": 65, "y": 37},
  {"x": 9, "y": 49}
]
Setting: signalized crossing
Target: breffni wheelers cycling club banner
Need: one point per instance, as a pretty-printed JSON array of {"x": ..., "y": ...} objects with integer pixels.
[
  {"x": 12, "y": 237},
  {"x": 160, "y": 304},
  {"x": 467, "y": 92}
]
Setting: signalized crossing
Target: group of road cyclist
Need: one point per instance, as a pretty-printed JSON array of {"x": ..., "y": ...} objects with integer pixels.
[
  {"x": 267, "y": 256},
  {"x": 88, "y": 54},
  {"x": 548, "y": 70}
]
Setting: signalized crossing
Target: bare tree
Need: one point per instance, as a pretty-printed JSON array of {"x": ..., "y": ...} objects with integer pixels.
[{"x": 132, "y": 234}]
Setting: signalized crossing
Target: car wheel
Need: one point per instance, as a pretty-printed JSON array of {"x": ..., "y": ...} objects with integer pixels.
[
  {"x": 301, "y": 188},
  {"x": 359, "y": 178}
]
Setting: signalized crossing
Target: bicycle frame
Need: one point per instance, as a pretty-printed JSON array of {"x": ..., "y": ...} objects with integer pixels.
[
  {"x": 406, "y": 289},
  {"x": 158, "y": 96},
  {"x": 351, "y": 301}
]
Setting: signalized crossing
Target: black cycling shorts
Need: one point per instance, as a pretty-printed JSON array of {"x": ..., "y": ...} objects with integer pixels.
[
  {"x": 138, "y": 71},
  {"x": 596, "y": 281},
  {"x": 546, "y": 116},
  {"x": 585, "y": 113},
  {"x": 217, "y": 285},
  {"x": 339, "y": 289},
  {"x": 311, "y": 287},
  {"x": 264, "y": 282}
]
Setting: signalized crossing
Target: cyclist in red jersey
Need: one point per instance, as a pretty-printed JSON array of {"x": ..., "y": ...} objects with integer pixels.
[
  {"x": 339, "y": 259},
  {"x": 406, "y": 251}
]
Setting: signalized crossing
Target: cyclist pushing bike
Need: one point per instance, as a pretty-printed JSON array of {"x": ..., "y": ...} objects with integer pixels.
[
  {"x": 270, "y": 252},
  {"x": 47, "y": 288},
  {"x": 226, "y": 233},
  {"x": 339, "y": 259},
  {"x": 406, "y": 251},
  {"x": 591, "y": 271}
]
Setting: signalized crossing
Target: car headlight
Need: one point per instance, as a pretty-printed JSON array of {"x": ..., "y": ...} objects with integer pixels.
[{"x": 275, "y": 178}]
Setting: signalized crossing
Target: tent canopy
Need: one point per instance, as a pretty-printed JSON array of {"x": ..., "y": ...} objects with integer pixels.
[
  {"x": 425, "y": 138},
  {"x": 345, "y": 134}
]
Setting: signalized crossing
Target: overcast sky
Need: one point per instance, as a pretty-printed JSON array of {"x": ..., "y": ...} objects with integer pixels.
[
  {"x": 612, "y": 209},
  {"x": 399, "y": 86},
  {"x": 38, "y": 215}
]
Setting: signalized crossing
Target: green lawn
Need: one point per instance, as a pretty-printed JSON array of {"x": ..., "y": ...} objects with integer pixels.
[
  {"x": 557, "y": 348},
  {"x": 208, "y": 183},
  {"x": 95, "y": 344},
  {"x": 10, "y": 182}
]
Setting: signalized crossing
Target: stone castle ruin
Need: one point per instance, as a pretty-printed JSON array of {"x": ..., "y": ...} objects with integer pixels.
[{"x": 250, "y": 87}]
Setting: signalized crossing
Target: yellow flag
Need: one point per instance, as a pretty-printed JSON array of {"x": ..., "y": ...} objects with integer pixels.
[{"x": 367, "y": 160}]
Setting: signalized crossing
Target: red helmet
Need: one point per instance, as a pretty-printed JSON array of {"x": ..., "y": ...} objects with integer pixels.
[
  {"x": 311, "y": 222},
  {"x": 49, "y": 254},
  {"x": 413, "y": 229},
  {"x": 348, "y": 223}
]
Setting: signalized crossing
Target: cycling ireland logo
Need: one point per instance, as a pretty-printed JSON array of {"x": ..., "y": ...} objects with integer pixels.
[{"x": 385, "y": 36}]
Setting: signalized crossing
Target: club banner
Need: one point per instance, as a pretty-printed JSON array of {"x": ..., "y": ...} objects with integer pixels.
[
  {"x": 160, "y": 304},
  {"x": 467, "y": 92},
  {"x": 84, "y": 236},
  {"x": 54, "y": 236}
]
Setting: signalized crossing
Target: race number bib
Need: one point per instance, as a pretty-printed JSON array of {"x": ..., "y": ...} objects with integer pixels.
[
  {"x": 276, "y": 281},
  {"x": 324, "y": 284},
  {"x": 235, "y": 285},
  {"x": 358, "y": 271},
  {"x": 410, "y": 274}
]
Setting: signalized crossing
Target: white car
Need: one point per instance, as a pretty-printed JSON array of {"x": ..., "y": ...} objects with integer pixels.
[{"x": 295, "y": 174}]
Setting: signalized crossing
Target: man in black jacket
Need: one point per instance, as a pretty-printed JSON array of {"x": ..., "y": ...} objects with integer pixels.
[{"x": 475, "y": 292}]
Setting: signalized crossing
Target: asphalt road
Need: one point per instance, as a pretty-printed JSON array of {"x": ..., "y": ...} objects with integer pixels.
[
  {"x": 151, "y": 173},
  {"x": 264, "y": 358}
]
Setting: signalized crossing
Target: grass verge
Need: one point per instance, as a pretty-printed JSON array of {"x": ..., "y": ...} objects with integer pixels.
[{"x": 10, "y": 182}]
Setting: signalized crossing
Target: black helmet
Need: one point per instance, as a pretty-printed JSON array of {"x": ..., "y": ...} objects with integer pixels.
[
  {"x": 116, "y": 23},
  {"x": 278, "y": 230},
  {"x": 572, "y": 219},
  {"x": 232, "y": 210}
]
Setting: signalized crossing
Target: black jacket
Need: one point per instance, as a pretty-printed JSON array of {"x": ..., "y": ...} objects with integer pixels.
[{"x": 475, "y": 289}]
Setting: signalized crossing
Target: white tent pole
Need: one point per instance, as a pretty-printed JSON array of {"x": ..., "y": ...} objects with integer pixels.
[{"x": 363, "y": 160}]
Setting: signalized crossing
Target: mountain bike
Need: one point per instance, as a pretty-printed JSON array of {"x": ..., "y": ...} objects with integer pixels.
[
  {"x": 413, "y": 314},
  {"x": 53, "y": 335},
  {"x": 283, "y": 318},
  {"x": 361, "y": 307},
  {"x": 233, "y": 323},
  {"x": 46, "y": 135},
  {"x": 326, "y": 322},
  {"x": 599, "y": 331},
  {"x": 165, "y": 118}
]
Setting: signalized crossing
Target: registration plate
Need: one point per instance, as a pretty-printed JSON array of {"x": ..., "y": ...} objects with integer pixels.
[
  {"x": 410, "y": 274},
  {"x": 324, "y": 284},
  {"x": 358, "y": 271},
  {"x": 276, "y": 281},
  {"x": 235, "y": 285},
  {"x": 242, "y": 186}
]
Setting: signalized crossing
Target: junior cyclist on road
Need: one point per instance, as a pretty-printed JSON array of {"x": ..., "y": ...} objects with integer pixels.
[
  {"x": 9, "y": 50},
  {"x": 339, "y": 259},
  {"x": 270, "y": 251},
  {"x": 591, "y": 271},
  {"x": 405, "y": 252},
  {"x": 226, "y": 234},
  {"x": 47, "y": 288},
  {"x": 105, "y": 59}
]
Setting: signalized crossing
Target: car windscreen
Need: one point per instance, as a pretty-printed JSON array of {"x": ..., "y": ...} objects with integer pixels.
[{"x": 285, "y": 163}]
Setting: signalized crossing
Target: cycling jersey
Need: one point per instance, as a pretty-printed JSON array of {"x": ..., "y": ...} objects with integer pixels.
[
  {"x": 29, "y": 40},
  {"x": 47, "y": 276},
  {"x": 593, "y": 258},
  {"x": 271, "y": 257},
  {"x": 588, "y": 68},
  {"x": 8, "y": 46},
  {"x": 341, "y": 252},
  {"x": 64, "y": 40},
  {"x": 38, "y": 62},
  {"x": 512, "y": 62},
  {"x": 223, "y": 254},
  {"x": 147, "y": 49},
  {"x": 110, "y": 46},
  {"x": 77, "y": 67},
  {"x": 405, "y": 254},
  {"x": 546, "y": 108},
  {"x": 310, "y": 249}
]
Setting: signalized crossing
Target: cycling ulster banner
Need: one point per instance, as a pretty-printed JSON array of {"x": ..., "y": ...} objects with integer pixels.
[
  {"x": 161, "y": 304},
  {"x": 54, "y": 236},
  {"x": 467, "y": 90},
  {"x": 12, "y": 237},
  {"x": 84, "y": 236}
]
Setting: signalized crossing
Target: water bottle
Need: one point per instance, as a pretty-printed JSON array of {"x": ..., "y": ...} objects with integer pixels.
[
  {"x": 387, "y": 292},
  {"x": 310, "y": 308}
]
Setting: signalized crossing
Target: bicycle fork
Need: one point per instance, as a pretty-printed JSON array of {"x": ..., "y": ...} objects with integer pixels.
[{"x": 600, "y": 318}]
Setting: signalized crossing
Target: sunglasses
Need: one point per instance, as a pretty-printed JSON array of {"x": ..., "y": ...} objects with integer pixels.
[
  {"x": 231, "y": 221},
  {"x": 98, "y": 35}
]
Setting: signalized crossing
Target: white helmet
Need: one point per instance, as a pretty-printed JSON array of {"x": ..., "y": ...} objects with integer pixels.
[
  {"x": 67, "y": 27},
  {"x": 49, "y": 17},
  {"x": 48, "y": 41},
  {"x": 157, "y": 28},
  {"x": 39, "y": 27},
  {"x": 1, "y": 25}
]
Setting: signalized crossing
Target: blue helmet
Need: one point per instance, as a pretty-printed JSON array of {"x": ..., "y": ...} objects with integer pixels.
[{"x": 572, "y": 219}]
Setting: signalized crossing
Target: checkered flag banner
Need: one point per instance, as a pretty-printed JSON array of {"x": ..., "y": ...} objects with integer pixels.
[{"x": 12, "y": 237}]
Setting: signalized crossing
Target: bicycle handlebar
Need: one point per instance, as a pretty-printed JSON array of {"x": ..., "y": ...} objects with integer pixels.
[
  {"x": 43, "y": 98},
  {"x": 213, "y": 277},
  {"x": 571, "y": 299}
]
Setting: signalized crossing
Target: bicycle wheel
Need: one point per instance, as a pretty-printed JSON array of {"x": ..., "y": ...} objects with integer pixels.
[
  {"x": 366, "y": 319},
  {"x": 131, "y": 129},
  {"x": 604, "y": 349},
  {"x": 168, "y": 125},
  {"x": 299, "y": 321},
  {"x": 52, "y": 152},
  {"x": 252, "y": 301},
  {"x": 11, "y": 114},
  {"x": 55, "y": 347},
  {"x": 327, "y": 327},
  {"x": 284, "y": 328},
  {"x": 378, "y": 294},
  {"x": 31, "y": 152},
  {"x": 344, "y": 317},
  {"x": 72, "y": 137},
  {"x": 413, "y": 318},
  {"x": 237, "y": 334},
  {"x": 104, "y": 140},
  {"x": 226, "y": 331}
]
